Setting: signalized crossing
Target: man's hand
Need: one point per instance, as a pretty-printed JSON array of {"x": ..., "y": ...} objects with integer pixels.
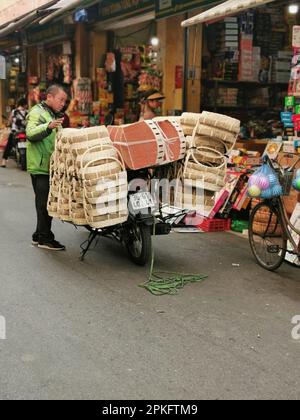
[{"x": 56, "y": 123}]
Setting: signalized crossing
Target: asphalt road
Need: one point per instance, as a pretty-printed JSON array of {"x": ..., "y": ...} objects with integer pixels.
[{"x": 87, "y": 331}]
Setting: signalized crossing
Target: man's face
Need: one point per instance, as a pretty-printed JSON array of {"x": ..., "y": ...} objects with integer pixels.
[
  {"x": 154, "y": 104},
  {"x": 57, "y": 101}
]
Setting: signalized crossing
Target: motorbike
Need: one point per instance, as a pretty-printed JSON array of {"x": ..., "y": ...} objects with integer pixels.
[
  {"x": 145, "y": 220},
  {"x": 21, "y": 146}
]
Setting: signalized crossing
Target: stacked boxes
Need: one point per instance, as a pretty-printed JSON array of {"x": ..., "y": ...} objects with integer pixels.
[
  {"x": 246, "y": 58},
  {"x": 256, "y": 63},
  {"x": 230, "y": 34},
  {"x": 263, "y": 32},
  {"x": 227, "y": 97},
  {"x": 281, "y": 67}
]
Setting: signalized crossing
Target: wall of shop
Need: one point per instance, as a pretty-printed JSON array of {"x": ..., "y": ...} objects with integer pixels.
[
  {"x": 195, "y": 47},
  {"x": 97, "y": 50},
  {"x": 173, "y": 48},
  {"x": 82, "y": 50},
  {"x": 171, "y": 38}
]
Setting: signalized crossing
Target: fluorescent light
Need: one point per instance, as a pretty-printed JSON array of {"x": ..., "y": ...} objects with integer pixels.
[{"x": 293, "y": 9}]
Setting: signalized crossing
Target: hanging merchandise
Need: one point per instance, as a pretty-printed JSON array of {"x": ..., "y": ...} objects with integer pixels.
[
  {"x": 83, "y": 94},
  {"x": 296, "y": 182},
  {"x": 264, "y": 183},
  {"x": 110, "y": 63},
  {"x": 150, "y": 78},
  {"x": 59, "y": 69},
  {"x": 67, "y": 68},
  {"x": 105, "y": 95}
]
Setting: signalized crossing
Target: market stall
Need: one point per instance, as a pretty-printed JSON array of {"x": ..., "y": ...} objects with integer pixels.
[{"x": 253, "y": 59}]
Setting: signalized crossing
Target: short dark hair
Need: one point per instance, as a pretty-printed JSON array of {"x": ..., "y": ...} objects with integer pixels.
[
  {"x": 54, "y": 89},
  {"x": 22, "y": 102}
]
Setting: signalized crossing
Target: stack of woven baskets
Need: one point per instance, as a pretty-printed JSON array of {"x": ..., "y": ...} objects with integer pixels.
[
  {"x": 88, "y": 179},
  {"x": 211, "y": 137}
]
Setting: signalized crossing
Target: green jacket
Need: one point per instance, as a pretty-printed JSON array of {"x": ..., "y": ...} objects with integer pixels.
[{"x": 41, "y": 139}]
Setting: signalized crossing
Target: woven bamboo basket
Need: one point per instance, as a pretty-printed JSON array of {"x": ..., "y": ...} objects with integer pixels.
[
  {"x": 212, "y": 174},
  {"x": 168, "y": 118},
  {"x": 190, "y": 119},
  {"x": 74, "y": 135},
  {"x": 96, "y": 154},
  {"x": 228, "y": 138},
  {"x": 204, "y": 141},
  {"x": 220, "y": 121},
  {"x": 190, "y": 196},
  {"x": 108, "y": 207},
  {"x": 82, "y": 147},
  {"x": 188, "y": 122}
]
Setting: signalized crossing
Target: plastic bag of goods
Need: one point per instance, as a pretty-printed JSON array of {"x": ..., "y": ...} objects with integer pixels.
[{"x": 264, "y": 183}]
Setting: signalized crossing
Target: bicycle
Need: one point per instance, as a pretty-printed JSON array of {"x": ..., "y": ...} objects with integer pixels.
[{"x": 270, "y": 229}]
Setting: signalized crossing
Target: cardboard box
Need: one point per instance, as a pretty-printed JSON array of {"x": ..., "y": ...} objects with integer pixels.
[{"x": 291, "y": 201}]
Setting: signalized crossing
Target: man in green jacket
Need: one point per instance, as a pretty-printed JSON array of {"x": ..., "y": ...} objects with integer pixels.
[{"x": 43, "y": 121}]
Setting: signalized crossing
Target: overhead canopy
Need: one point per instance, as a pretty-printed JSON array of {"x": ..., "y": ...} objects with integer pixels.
[
  {"x": 66, "y": 6},
  {"x": 229, "y": 8},
  {"x": 43, "y": 14},
  {"x": 19, "y": 23}
]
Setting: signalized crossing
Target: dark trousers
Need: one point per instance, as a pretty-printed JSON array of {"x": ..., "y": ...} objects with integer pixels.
[
  {"x": 9, "y": 146},
  {"x": 44, "y": 221}
]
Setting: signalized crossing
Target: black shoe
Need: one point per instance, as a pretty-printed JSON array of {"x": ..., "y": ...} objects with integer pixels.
[{"x": 52, "y": 246}]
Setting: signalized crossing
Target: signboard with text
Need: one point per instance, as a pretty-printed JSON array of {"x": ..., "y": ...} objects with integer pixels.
[
  {"x": 109, "y": 9},
  {"x": 46, "y": 33},
  {"x": 165, "y": 8}
]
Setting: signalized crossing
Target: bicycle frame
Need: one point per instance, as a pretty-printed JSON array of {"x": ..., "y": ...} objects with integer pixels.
[{"x": 288, "y": 226}]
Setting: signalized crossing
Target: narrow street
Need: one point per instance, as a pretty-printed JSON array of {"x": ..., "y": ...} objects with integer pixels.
[{"x": 85, "y": 330}]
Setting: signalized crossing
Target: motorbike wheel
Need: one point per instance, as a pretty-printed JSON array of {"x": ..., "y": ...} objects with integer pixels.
[
  {"x": 139, "y": 244},
  {"x": 23, "y": 162}
]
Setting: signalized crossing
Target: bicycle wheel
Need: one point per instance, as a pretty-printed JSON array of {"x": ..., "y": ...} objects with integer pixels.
[{"x": 267, "y": 236}]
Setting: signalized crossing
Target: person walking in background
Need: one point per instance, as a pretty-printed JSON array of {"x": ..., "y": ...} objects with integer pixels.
[
  {"x": 151, "y": 104},
  {"x": 18, "y": 125},
  {"x": 43, "y": 121}
]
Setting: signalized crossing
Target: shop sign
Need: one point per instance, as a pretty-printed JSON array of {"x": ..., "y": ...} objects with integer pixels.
[
  {"x": 129, "y": 50},
  {"x": 115, "y": 8},
  {"x": 296, "y": 37},
  {"x": 2, "y": 67},
  {"x": 179, "y": 77},
  {"x": 47, "y": 33},
  {"x": 165, "y": 8}
]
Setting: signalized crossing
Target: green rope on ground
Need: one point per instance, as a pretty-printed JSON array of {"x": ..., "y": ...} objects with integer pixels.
[
  {"x": 168, "y": 283},
  {"x": 171, "y": 284}
]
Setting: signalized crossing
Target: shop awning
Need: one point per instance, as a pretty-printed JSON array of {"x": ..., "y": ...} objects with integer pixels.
[
  {"x": 21, "y": 22},
  {"x": 229, "y": 8},
  {"x": 65, "y": 6}
]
